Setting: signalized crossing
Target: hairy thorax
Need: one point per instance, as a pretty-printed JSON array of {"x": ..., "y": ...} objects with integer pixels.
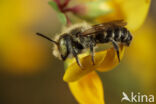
[{"x": 72, "y": 31}]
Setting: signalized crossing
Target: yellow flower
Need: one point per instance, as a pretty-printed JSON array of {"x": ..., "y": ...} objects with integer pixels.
[
  {"x": 82, "y": 89},
  {"x": 84, "y": 83},
  {"x": 104, "y": 61},
  {"x": 132, "y": 11}
]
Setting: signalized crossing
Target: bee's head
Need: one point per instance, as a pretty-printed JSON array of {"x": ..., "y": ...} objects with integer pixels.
[{"x": 63, "y": 47}]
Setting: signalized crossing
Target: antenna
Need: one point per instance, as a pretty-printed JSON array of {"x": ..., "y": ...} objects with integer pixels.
[{"x": 39, "y": 34}]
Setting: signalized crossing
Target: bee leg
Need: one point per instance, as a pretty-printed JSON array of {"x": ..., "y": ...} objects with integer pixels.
[
  {"x": 116, "y": 48},
  {"x": 77, "y": 59},
  {"x": 92, "y": 53}
]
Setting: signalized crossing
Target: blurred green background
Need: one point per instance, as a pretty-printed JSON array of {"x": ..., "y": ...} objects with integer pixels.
[{"x": 29, "y": 74}]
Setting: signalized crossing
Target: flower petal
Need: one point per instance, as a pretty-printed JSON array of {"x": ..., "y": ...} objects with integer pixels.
[
  {"x": 104, "y": 61},
  {"x": 132, "y": 11},
  {"x": 88, "y": 90},
  {"x": 111, "y": 60},
  {"x": 74, "y": 72}
]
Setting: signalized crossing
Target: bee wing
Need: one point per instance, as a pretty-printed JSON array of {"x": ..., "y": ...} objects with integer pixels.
[
  {"x": 113, "y": 23},
  {"x": 104, "y": 26}
]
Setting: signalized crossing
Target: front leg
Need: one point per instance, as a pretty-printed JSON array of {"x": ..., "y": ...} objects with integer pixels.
[{"x": 76, "y": 58}]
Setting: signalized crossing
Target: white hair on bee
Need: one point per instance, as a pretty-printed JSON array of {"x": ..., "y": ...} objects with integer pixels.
[{"x": 84, "y": 26}]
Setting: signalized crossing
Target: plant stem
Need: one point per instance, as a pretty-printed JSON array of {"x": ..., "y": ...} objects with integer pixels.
[
  {"x": 68, "y": 20},
  {"x": 66, "y": 2},
  {"x": 58, "y": 3}
]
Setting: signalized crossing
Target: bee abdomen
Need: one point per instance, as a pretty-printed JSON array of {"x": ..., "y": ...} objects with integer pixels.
[
  {"x": 118, "y": 34},
  {"x": 121, "y": 34},
  {"x": 105, "y": 36}
]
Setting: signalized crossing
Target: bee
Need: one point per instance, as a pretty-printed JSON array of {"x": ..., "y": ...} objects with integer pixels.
[{"x": 75, "y": 39}]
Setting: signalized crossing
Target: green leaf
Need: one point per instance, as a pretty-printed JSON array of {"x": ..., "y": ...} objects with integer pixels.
[
  {"x": 62, "y": 18},
  {"x": 60, "y": 15},
  {"x": 54, "y": 6}
]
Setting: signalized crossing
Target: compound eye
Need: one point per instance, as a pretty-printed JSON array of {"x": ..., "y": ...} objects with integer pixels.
[{"x": 63, "y": 49}]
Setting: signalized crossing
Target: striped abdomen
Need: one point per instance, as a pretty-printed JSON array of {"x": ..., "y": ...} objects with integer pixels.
[{"x": 118, "y": 34}]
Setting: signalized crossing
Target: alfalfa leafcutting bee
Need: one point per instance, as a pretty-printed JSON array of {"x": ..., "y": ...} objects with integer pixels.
[{"x": 73, "y": 40}]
